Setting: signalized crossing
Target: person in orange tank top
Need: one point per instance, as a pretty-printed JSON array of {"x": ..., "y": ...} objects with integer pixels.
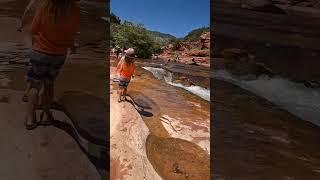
[
  {"x": 27, "y": 16},
  {"x": 126, "y": 69},
  {"x": 53, "y": 30}
]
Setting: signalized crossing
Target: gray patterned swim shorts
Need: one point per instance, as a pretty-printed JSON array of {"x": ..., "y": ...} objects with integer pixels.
[
  {"x": 123, "y": 82},
  {"x": 44, "y": 66}
]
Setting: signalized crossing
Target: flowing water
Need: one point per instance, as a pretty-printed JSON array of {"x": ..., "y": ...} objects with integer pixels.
[
  {"x": 268, "y": 128},
  {"x": 162, "y": 74},
  {"x": 256, "y": 139},
  {"x": 294, "y": 97}
]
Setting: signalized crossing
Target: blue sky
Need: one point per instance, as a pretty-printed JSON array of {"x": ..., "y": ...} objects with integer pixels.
[{"x": 175, "y": 17}]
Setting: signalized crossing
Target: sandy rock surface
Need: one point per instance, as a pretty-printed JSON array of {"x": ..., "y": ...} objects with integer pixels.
[
  {"x": 128, "y": 143},
  {"x": 43, "y": 153}
]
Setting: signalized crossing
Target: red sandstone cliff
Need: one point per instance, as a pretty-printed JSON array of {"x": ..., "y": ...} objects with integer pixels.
[{"x": 187, "y": 50}]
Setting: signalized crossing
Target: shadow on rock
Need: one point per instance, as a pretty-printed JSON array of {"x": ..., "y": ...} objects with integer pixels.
[
  {"x": 88, "y": 126},
  {"x": 142, "y": 103}
]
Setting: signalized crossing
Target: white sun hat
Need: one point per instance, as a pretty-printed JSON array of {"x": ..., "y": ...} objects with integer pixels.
[{"x": 129, "y": 52}]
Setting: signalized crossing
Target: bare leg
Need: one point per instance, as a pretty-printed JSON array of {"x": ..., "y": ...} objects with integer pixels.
[
  {"x": 28, "y": 88},
  {"x": 41, "y": 96},
  {"x": 33, "y": 97},
  {"x": 120, "y": 92},
  {"x": 48, "y": 94},
  {"x": 51, "y": 92},
  {"x": 25, "y": 95},
  {"x": 30, "y": 115},
  {"x": 124, "y": 92}
]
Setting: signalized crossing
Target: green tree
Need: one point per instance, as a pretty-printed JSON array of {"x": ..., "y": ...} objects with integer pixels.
[
  {"x": 136, "y": 36},
  {"x": 195, "y": 34},
  {"x": 176, "y": 43}
]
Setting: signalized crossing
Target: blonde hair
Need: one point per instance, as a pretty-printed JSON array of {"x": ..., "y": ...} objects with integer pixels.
[{"x": 128, "y": 60}]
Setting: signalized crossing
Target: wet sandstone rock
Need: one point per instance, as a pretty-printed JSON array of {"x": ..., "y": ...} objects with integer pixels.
[
  {"x": 286, "y": 43},
  {"x": 240, "y": 62}
]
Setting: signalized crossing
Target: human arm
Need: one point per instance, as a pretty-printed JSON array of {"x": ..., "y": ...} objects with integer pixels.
[
  {"x": 119, "y": 64},
  {"x": 35, "y": 26},
  {"x": 26, "y": 11},
  {"x": 119, "y": 69},
  {"x": 134, "y": 71}
]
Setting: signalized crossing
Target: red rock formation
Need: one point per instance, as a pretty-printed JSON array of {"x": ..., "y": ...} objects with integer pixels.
[
  {"x": 185, "y": 51},
  {"x": 199, "y": 53},
  {"x": 205, "y": 40}
]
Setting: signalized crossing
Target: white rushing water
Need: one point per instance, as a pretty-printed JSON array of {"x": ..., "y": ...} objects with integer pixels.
[
  {"x": 294, "y": 97},
  {"x": 162, "y": 74}
]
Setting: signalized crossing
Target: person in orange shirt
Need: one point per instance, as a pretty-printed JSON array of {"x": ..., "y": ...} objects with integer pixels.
[
  {"x": 27, "y": 16},
  {"x": 54, "y": 28},
  {"x": 126, "y": 69}
]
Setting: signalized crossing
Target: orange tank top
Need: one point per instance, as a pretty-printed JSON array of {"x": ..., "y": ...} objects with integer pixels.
[
  {"x": 55, "y": 38},
  {"x": 126, "y": 71}
]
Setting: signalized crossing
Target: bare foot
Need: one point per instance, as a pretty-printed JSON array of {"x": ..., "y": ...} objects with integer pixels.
[
  {"x": 46, "y": 118},
  {"x": 30, "y": 122}
]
